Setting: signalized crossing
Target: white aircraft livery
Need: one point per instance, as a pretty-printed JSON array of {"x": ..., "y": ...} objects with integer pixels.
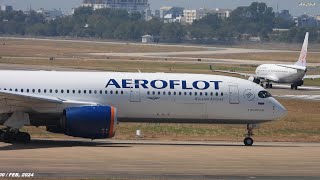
[
  {"x": 90, "y": 104},
  {"x": 282, "y": 73}
]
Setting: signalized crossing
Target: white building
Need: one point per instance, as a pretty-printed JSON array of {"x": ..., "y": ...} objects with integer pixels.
[
  {"x": 147, "y": 39},
  {"x": 6, "y": 8},
  {"x": 195, "y": 14},
  {"x": 95, "y": 4},
  {"x": 222, "y": 13},
  {"x": 164, "y": 11},
  {"x": 129, "y": 5}
]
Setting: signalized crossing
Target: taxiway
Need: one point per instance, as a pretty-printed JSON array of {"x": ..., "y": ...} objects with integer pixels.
[{"x": 161, "y": 159}]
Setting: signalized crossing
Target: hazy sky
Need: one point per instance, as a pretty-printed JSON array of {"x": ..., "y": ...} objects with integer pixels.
[{"x": 67, "y": 5}]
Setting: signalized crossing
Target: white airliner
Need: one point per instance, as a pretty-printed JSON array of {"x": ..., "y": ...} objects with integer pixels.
[
  {"x": 90, "y": 104},
  {"x": 282, "y": 73}
]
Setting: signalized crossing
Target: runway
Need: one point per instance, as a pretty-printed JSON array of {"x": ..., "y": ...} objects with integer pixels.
[{"x": 161, "y": 159}]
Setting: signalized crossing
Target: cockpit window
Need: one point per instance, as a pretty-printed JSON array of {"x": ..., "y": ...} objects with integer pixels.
[{"x": 264, "y": 94}]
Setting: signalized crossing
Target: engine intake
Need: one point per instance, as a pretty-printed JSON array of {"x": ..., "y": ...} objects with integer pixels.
[{"x": 94, "y": 122}]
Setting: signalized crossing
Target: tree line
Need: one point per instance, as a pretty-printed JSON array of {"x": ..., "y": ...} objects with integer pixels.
[{"x": 256, "y": 20}]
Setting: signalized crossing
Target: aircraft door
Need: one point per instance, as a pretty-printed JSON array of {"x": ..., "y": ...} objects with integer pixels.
[
  {"x": 233, "y": 94},
  {"x": 135, "y": 94}
]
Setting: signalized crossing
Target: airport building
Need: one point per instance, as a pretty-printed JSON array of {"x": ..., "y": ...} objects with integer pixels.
[{"x": 130, "y": 5}]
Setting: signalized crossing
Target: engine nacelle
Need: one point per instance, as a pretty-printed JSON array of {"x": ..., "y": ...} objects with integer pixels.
[
  {"x": 94, "y": 122},
  {"x": 253, "y": 79},
  {"x": 299, "y": 83}
]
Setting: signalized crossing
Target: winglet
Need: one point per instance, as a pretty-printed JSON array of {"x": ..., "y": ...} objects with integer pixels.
[{"x": 303, "y": 55}]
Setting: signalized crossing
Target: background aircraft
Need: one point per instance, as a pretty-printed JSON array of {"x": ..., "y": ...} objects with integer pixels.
[
  {"x": 89, "y": 104},
  {"x": 281, "y": 73}
]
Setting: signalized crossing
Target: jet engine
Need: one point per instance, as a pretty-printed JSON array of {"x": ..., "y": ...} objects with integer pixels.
[
  {"x": 299, "y": 83},
  {"x": 94, "y": 122},
  {"x": 255, "y": 80}
]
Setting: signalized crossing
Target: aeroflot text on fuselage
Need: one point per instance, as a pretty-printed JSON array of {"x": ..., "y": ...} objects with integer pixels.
[{"x": 162, "y": 84}]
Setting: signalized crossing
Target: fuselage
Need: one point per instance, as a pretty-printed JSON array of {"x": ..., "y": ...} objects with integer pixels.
[
  {"x": 280, "y": 73},
  {"x": 147, "y": 97}
]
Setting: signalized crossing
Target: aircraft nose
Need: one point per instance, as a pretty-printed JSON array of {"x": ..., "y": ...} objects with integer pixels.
[{"x": 279, "y": 110}]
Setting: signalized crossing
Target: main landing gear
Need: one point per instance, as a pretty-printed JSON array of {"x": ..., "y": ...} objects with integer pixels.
[
  {"x": 8, "y": 136},
  {"x": 248, "y": 141},
  {"x": 269, "y": 85},
  {"x": 294, "y": 86}
]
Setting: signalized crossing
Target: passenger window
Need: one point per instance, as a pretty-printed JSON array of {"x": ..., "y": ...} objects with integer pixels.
[
  {"x": 22, "y": 90},
  {"x": 90, "y": 91},
  {"x": 73, "y": 91},
  {"x": 100, "y": 91},
  {"x": 50, "y": 90},
  {"x": 56, "y": 91},
  {"x": 164, "y": 93},
  {"x": 179, "y": 93},
  {"x": 190, "y": 93},
  {"x": 106, "y": 92},
  {"x": 195, "y": 93},
  {"x": 200, "y": 93},
  {"x": 222, "y": 94},
  {"x": 169, "y": 93},
  {"x": 85, "y": 91},
  {"x": 148, "y": 93},
  {"x": 68, "y": 91},
  {"x": 45, "y": 91},
  {"x": 27, "y": 90},
  {"x": 174, "y": 93},
  {"x": 122, "y": 92},
  {"x": 159, "y": 93},
  {"x": 62, "y": 91}
]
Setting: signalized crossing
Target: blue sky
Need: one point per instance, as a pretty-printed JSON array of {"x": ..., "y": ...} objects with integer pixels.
[{"x": 67, "y": 5}]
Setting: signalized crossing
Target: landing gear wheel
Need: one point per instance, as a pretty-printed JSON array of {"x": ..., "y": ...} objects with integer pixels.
[
  {"x": 248, "y": 141},
  {"x": 292, "y": 86},
  {"x": 270, "y": 86},
  {"x": 295, "y": 87},
  {"x": 23, "y": 137},
  {"x": 267, "y": 86},
  {"x": 7, "y": 137}
]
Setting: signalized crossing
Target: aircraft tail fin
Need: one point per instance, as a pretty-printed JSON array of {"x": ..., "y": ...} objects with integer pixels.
[{"x": 303, "y": 54}]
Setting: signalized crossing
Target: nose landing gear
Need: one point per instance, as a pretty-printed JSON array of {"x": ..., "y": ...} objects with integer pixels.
[{"x": 248, "y": 141}]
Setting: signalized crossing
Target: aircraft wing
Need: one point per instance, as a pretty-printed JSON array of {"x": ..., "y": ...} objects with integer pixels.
[
  {"x": 311, "y": 77},
  {"x": 27, "y": 101},
  {"x": 270, "y": 78},
  {"x": 237, "y": 73}
]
